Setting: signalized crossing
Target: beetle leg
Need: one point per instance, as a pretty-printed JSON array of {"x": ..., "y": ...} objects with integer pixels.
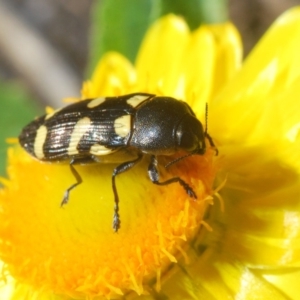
[
  {"x": 118, "y": 170},
  {"x": 78, "y": 181},
  {"x": 154, "y": 177}
]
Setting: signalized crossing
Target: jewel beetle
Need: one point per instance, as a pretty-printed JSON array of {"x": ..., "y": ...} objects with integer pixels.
[{"x": 94, "y": 130}]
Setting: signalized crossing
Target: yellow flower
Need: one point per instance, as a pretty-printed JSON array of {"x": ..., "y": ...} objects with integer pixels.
[{"x": 165, "y": 248}]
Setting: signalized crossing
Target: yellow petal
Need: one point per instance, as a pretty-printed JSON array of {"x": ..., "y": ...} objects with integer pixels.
[
  {"x": 160, "y": 57},
  {"x": 212, "y": 59},
  {"x": 286, "y": 282},
  {"x": 198, "y": 66},
  {"x": 228, "y": 56},
  {"x": 260, "y": 100},
  {"x": 114, "y": 75}
]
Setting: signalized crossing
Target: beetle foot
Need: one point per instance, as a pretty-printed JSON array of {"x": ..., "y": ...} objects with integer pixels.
[
  {"x": 65, "y": 198},
  {"x": 189, "y": 190},
  {"x": 116, "y": 222}
]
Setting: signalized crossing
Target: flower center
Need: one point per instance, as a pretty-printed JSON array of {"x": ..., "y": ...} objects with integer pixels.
[{"x": 73, "y": 250}]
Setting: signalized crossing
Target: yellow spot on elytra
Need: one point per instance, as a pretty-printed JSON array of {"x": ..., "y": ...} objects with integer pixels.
[
  {"x": 96, "y": 102},
  {"x": 39, "y": 142},
  {"x": 122, "y": 125},
  {"x": 136, "y": 100},
  {"x": 81, "y": 127}
]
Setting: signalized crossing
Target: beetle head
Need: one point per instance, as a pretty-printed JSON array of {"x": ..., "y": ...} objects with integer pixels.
[{"x": 190, "y": 135}]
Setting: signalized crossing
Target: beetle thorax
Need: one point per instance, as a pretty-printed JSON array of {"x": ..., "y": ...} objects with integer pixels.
[{"x": 161, "y": 127}]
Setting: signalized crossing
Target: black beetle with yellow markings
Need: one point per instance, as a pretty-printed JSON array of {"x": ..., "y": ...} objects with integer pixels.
[{"x": 90, "y": 130}]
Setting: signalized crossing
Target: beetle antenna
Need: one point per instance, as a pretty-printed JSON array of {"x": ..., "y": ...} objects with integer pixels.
[
  {"x": 211, "y": 142},
  {"x": 180, "y": 158},
  {"x": 177, "y": 160}
]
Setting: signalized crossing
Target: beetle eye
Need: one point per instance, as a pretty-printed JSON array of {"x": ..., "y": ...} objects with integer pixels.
[{"x": 190, "y": 136}]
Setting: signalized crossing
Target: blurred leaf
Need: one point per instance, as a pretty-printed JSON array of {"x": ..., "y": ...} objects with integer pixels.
[
  {"x": 195, "y": 12},
  {"x": 17, "y": 109},
  {"x": 119, "y": 26}
]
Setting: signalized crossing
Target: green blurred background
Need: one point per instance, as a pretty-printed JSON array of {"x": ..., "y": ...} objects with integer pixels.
[{"x": 47, "y": 47}]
